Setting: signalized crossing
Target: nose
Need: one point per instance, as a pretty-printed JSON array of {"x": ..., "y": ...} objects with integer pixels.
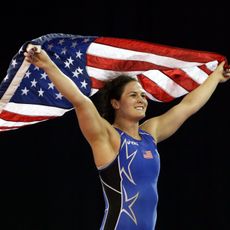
[{"x": 140, "y": 99}]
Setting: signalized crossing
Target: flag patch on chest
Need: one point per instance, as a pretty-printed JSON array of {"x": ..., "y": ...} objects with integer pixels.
[{"x": 148, "y": 154}]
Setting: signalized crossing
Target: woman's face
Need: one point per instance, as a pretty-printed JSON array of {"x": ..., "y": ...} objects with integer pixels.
[{"x": 133, "y": 102}]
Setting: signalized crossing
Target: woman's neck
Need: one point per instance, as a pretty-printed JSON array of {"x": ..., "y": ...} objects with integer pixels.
[{"x": 130, "y": 128}]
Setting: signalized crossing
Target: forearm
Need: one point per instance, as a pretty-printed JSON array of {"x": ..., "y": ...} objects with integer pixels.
[
  {"x": 64, "y": 84},
  {"x": 199, "y": 96}
]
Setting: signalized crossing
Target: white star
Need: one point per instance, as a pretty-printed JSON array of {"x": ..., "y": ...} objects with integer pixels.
[
  {"x": 25, "y": 91},
  {"x": 80, "y": 70},
  {"x": 40, "y": 92},
  {"x": 67, "y": 64},
  {"x": 84, "y": 84},
  {"x": 50, "y": 85},
  {"x": 127, "y": 164},
  {"x": 78, "y": 54},
  {"x": 61, "y": 42},
  {"x": 6, "y": 77},
  {"x": 64, "y": 51},
  {"x": 57, "y": 56},
  {"x": 34, "y": 83},
  {"x": 58, "y": 96},
  {"x": 27, "y": 75},
  {"x": 50, "y": 46},
  {"x": 43, "y": 76},
  {"x": 70, "y": 60},
  {"x": 86, "y": 40},
  {"x": 75, "y": 73},
  {"x": 21, "y": 49},
  {"x": 14, "y": 63},
  {"x": 129, "y": 202},
  {"x": 74, "y": 44}
]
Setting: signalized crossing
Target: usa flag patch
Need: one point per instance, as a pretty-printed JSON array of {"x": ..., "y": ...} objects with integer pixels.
[{"x": 148, "y": 154}]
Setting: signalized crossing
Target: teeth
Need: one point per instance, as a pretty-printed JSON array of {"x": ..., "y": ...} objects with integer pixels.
[{"x": 139, "y": 108}]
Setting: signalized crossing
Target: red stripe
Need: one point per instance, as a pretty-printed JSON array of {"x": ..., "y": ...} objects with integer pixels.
[
  {"x": 120, "y": 65},
  {"x": 154, "y": 89},
  {"x": 96, "y": 84},
  {"x": 189, "y": 55},
  {"x": 7, "y": 128},
  {"x": 9, "y": 116},
  {"x": 205, "y": 69},
  {"x": 181, "y": 78}
]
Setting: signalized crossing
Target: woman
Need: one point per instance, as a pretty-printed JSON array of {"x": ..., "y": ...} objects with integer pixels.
[{"x": 125, "y": 151}]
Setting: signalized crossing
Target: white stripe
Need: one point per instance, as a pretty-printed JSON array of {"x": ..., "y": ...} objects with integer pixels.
[
  {"x": 14, "y": 84},
  {"x": 125, "y": 54},
  {"x": 212, "y": 65},
  {"x": 196, "y": 74},
  {"x": 4, "y": 123},
  {"x": 150, "y": 96},
  {"x": 104, "y": 75},
  {"x": 2, "y": 130},
  {"x": 34, "y": 110},
  {"x": 93, "y": 91},
  {"x": 167, "y": 84}
]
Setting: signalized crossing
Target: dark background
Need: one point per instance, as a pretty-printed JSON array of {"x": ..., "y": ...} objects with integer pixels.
[{"x": 48, "y": 178}]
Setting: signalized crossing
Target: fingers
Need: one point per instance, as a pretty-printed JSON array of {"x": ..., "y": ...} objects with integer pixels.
[
  {"x": 221, "y": 65},
  {"x": 35, "y": 48},
  {"x": 31, "y": 52},
  {"x": 226, "y": 72},
  {"x": 29, "y": 55}
]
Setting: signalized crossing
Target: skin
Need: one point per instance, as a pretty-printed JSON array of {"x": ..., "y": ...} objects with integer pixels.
[{"x": 129, "y": 110}]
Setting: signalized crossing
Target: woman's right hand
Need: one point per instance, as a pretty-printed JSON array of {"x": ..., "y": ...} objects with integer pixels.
[{"x": 37, "y": 56}]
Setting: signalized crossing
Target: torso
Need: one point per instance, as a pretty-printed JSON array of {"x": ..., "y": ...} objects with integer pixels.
[{"x": 130, "y": 184}]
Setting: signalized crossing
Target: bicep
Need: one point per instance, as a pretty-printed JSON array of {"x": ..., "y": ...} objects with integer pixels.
[
  {"x": 92, "y": 125},
  {"x": 102, "y": 137}
]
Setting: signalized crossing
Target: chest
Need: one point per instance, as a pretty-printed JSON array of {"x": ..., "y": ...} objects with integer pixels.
[{"x": 139, "y": 160}]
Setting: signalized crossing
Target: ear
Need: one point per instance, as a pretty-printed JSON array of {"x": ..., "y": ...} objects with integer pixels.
[{"x": 115, "y": 104}]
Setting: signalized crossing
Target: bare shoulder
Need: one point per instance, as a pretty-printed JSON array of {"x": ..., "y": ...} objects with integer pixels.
[
  {"x": 150, "y": 126},
  {"x": 106, "y": 149}
]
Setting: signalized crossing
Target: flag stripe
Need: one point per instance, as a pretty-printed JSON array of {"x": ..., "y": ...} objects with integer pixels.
[
  {"x": 187, "y": 55},
  {"x": 106, "y": 51},
  {"x": 104, "y": 75},
  {"x": 34, "y": 110},
  {"x": 120, "y": 65},
  {"x": 14, "y": 84},
  {"x": 7, "y": 125},
  {"x": 9, "y": 116},
  {"x": 153, "y": 89},
  {"x": 165, "y": 72},
  {"x": 181, "y": 78}
]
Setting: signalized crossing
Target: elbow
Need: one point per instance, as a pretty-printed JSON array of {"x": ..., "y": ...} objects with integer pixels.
[{"x": 82, "y": 102}]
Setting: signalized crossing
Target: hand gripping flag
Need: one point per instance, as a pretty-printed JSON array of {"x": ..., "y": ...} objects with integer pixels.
[{"x": 27, "y": 96}]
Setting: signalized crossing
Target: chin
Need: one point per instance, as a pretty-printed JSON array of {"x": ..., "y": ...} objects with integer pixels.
[{"x": 141, "y": 117}]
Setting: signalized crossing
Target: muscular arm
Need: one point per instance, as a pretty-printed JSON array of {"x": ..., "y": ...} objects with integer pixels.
[
  {"x": 96, "y": 129},
  {"x": 163, "y": 126}
]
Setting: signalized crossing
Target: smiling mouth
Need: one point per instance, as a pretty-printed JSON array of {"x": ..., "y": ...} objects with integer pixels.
[{"x": 139, "y": 108}]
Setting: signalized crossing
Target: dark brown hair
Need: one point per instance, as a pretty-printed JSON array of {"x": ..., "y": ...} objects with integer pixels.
[{"x": 112, "y": 89}]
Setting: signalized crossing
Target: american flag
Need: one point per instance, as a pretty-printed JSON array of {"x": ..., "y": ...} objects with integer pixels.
[
  {"x": 148, "y": 154},
  {"x": 27, "y": 96}
]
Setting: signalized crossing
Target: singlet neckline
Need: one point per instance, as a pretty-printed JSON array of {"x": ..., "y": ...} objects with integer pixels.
[{"x": 134, "y": 139}]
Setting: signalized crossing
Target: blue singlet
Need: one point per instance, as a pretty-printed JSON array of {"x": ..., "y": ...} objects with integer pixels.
[{"x": 130, "y": 185}]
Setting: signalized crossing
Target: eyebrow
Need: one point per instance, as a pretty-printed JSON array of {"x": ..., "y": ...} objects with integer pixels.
[{"x": 142, "y": 92}]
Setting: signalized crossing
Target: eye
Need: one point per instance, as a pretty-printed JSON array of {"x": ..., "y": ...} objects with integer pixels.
[{"x": 133, "y": 95}]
